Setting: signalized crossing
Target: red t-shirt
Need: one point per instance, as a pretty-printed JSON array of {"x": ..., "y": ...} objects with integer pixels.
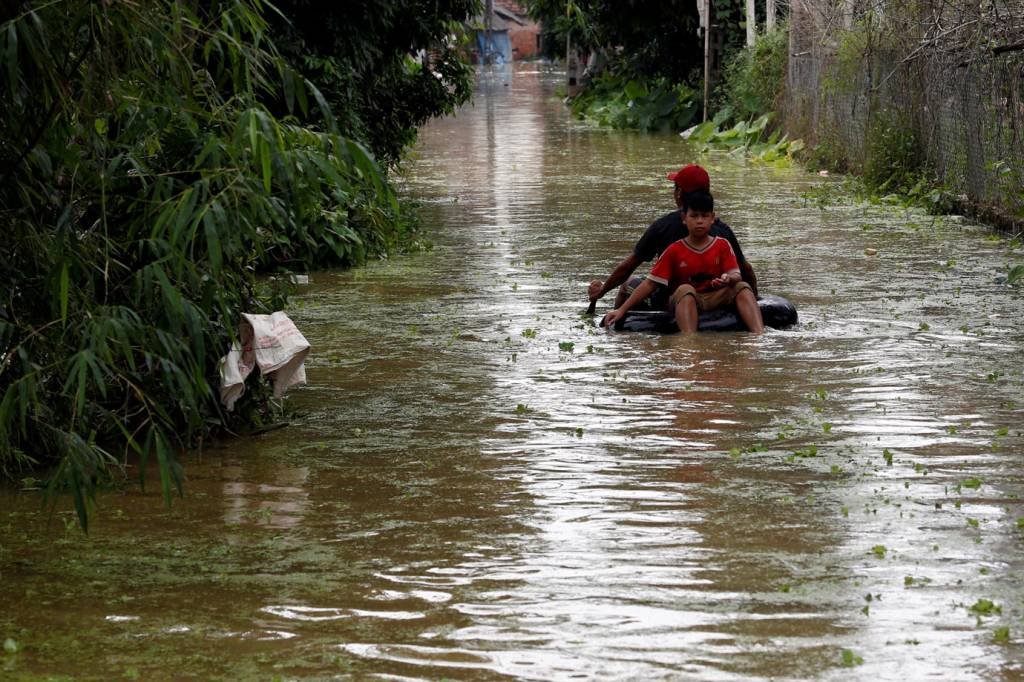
[{"x": 683, "y": 264}]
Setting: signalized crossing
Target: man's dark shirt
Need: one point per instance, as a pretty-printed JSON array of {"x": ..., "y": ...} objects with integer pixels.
[{"x": 670, "y": 228}]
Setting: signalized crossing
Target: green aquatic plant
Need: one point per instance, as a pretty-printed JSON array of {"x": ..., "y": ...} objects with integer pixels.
[
  {"x": 750, "y": 138},
  {"x": 985, "y": 607},
  {"x": 850, "y": 659},
  {"x": 616, "y": 101},
  {"x": 809, "y": 451}
]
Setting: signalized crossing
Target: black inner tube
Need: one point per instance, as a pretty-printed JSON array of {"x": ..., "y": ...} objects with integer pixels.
[{"x": 777, "y": 312}]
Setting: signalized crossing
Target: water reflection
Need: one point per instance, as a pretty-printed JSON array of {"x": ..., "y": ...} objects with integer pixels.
[{"x": 281, "y": 504}]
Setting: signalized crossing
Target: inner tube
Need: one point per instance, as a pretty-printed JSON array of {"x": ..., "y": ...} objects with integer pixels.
[{"x": 778, "y": 313}]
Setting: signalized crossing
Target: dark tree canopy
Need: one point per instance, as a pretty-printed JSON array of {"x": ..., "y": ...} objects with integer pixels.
[
  {"x": 154, "y": 156},
  {"x": 656, "y": 37},
  {"x": 386, "y": 66}
]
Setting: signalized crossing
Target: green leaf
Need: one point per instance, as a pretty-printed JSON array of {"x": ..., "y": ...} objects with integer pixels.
[
  {"x": 212, "y": 242},
  {"x": 325, "y": 108},
  {"x": 253, "y": 140},
  {"x": 265, "y": 166},
  {"x": 850, "y": 659},
  {"x": 1015, "y": 275},
  {"x": 65, "y": 286},
  {"x": 288, "y": 83},
  {"x": 164, "y": 458},
  {"x": 184, "y": 211},
  {"x": 77, "y": 381},
  {"x": 12, "y": 57},
  {"x": 985, "y": 607}
]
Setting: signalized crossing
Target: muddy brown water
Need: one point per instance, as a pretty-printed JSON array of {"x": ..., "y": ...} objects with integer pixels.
[{"x": 479, "y": 484}]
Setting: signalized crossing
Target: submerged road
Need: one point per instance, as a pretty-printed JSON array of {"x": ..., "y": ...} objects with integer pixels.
[{"x": 481, "y": 485}]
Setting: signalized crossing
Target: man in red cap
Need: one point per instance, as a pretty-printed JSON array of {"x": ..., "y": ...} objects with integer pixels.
[{"x": 663, "y": 232}]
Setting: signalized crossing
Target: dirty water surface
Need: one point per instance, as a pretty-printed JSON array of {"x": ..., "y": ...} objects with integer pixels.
[{"x": 480, "y": 484}]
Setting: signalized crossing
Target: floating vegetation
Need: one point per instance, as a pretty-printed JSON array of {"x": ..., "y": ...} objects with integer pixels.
[
  {"x": 985, "y": 607},
  {"x": 850, "y": 659},
  {"x": 750, "y": 138}
]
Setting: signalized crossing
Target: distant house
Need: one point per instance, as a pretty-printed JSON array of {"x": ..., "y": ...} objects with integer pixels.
[{"x": 513, "y": 34}]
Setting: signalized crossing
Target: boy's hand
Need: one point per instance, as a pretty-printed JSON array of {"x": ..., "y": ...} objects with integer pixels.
[
  {"x": 594, "y": 290},
  {"x": 719, "y": 282},
  {"x": 612, "y": 317}
]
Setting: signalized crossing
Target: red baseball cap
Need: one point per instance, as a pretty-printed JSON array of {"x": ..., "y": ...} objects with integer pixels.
[{"x": 691, "y": 178}]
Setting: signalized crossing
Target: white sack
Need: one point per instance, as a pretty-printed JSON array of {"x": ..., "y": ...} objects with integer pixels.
[{"x": 273, "y": 344}]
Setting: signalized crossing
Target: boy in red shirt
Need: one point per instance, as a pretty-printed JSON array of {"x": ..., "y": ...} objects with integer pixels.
[{"x": 701, "y": 272}]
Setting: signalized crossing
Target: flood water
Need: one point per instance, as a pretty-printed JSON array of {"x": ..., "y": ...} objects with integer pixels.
[{"x": 480, "y": 484}]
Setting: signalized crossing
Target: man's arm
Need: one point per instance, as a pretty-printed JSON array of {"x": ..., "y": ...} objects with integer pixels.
[
  {"x": 746, "y": 269},
  {"x": 620, "y": 274},
  {"x": 645, "y": 289},
  {"x": 747, "y": 272}
]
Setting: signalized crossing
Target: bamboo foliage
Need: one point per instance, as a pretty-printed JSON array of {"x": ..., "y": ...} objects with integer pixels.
[{"x": 144, "y": 183}]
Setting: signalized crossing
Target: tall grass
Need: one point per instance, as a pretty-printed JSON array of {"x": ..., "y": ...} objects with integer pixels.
[{"x": 143, "y": 184}]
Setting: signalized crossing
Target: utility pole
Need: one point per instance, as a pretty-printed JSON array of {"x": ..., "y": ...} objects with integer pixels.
[
  {"x": 488, "y": 26},
  {"x": 751, "y": 23},
  {"x": 707, "y": 27},
  {"x": 571, "y": 75}
]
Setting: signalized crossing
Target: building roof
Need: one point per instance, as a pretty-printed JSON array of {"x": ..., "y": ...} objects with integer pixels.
[{"x": 505, "y": 14}]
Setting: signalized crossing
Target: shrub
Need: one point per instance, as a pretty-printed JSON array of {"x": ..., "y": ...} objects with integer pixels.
[
  {"x": 144, "y": 184},
  {"x": 894, "y": 160},
  {"x": 755, "y": 77},
  {"x": 644, "y": 104}
]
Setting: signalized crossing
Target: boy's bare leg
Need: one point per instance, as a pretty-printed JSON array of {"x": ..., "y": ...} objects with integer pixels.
[
  {"x": 686, "y": 314},
  {"x": 750, "y": 312}
]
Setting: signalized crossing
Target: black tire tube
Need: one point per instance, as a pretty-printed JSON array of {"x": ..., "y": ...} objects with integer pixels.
[{"x": 778, "y": 313}]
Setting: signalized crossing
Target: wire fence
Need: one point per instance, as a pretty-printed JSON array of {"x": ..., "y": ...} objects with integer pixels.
[{"x": 951, "y": 71}]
